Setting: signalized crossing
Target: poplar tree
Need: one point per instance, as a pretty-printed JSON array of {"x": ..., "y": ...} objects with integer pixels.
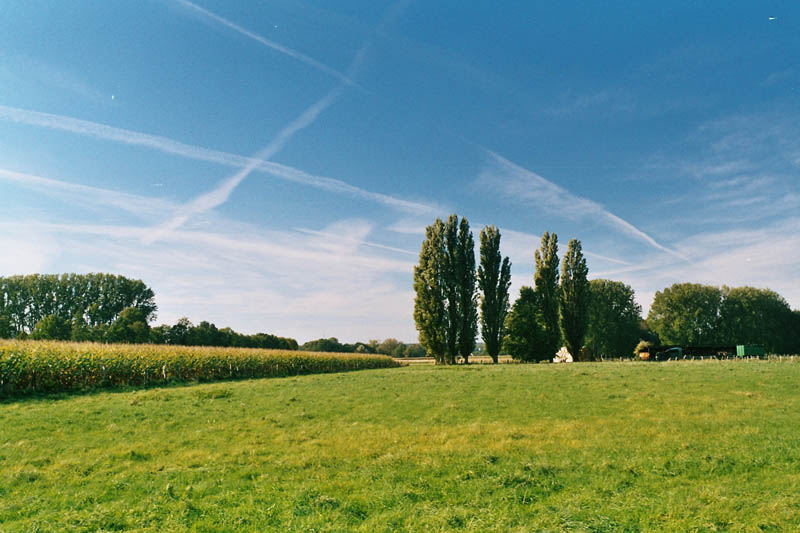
[
  {"x": 451, "y": 277},
  {"x": 494, "y": 279},
  {"x": 445, "y": 307},
  {"x": 523, "y": 339},
  {"x": 547, "y": 291},
  {"x": 574, "y": 298},
  {"x": 467, "y": 294},
  {"x": 430, "y": 312}
]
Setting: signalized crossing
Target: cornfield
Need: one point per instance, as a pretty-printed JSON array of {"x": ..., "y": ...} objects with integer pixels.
[{"x": 40, "y": 366}]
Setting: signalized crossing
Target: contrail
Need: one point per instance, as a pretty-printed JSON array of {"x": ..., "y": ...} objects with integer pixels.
[
  {"x": 531, "y": 186},
  {"x": 220, "y": 195},
  {"x": 173, "y": 147},
  {"x": 144, "y": 207},
  {"x": 355, "y": 241},
  {"x": 270, "y": 44}
]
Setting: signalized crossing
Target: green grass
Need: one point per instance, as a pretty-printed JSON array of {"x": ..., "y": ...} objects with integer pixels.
[{"x": 694, "y": 446}]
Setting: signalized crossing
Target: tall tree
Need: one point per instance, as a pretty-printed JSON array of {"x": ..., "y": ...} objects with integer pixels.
[
  {"x": 686, "y": 313},
  {"x": 99, "y": 298},
  {"x": 523, "y": 336},
  {"x": 129, "y": 327},
  {"x": 494, "y": 279},
  {"x": 794, "y": 332},
  {"x": 756, "y": 316},
  {"x": 450, "y": 276},
  {"x": 430, "y": 311},
  {"x": 574, "y": 298},
  {"x": 465, "y": 288},
  {"x": 445, "y": 307},
  {"x": 614, "y": 319},
  {"x": 5, "y": 326},
  {"x": 546, "y": 282}
]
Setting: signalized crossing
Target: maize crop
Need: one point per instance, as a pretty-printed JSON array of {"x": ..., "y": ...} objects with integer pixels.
[{"x": 44, "y": 367}]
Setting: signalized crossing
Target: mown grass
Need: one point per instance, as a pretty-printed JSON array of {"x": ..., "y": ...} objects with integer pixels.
[{"x": 688, "y": 446}]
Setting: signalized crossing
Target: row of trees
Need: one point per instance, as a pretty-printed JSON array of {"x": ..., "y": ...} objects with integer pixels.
[
  {"x": 389, "y": 346},
  {"x": 91, "y": 299},
  {"x": 590, "y": 318},
  {"x": 694, "y": 314},
  {"x": 131, "y": 326},
  {"x": 446, "y": 303},
  {"x": 445, "y": 307},
  {"x": 183, "y": 332},
  {"x": 555, "y": 310},
  {"x": 105, "y": 308}
]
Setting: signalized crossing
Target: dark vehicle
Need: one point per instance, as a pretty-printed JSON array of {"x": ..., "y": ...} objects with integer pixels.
[
  {"x": 676, "y": 352},
  {"x": 668, "y": 352}
]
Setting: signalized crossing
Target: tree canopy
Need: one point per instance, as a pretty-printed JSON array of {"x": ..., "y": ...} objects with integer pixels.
[
  {"x": 524, "y": 334},
  {"x": 686, "y": 313},
  {"x": 693, "y": 314},
  {"x": 574, "y": 298},
  {"x": 547, "y": 291},
  {"x": 445, "y": 305},
  {"x": 494, "y": 279},
  {"x": 97, "y": 298},
  {"x": 614, "y": 319}
]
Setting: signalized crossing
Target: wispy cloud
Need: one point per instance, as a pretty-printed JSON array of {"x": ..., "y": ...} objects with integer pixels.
[
  {"x": 30, "y": 69},
  {"x": 25, "y": 251},
  {"x": 173, "y": 147},
  {"x": 83, "y": 195},
  {"x": 255, "y": 280},
  {"x": 741, "y": 169},
  {"x": 520, "y": 184},
  {"x": 347, "y": 243},
  {"x": 343, "y": 237},
  {"x": 779, "y": 77},
  {"x": 303, "y": 58},
  {"x": 765, "y": 256},
  {"x": 222, "y": 192}
]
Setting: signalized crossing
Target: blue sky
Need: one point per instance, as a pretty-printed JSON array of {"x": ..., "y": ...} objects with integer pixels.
[{"x": 271, "y": 165}]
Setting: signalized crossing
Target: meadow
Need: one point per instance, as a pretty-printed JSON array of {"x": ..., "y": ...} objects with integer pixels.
[{"x": 676, "y": 446}]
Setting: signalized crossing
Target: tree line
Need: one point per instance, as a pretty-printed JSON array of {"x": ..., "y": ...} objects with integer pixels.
[
  {"x": 390, "y": 346},
  {"x": 87, "y": 300},
  {"x": 102, "y": 307},
  {"x": 694, "y": 314},
  {"x": 592, "y": 319}
]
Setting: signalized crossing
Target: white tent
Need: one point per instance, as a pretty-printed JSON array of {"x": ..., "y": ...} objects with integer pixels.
[{"x": 563, "y": 356}]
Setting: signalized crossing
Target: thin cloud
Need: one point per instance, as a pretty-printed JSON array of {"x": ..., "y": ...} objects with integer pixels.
[
  {"x": 280, "y": 247},
  {"x": 220, "y": 195},
  {"x": 275, "y": 281},
  {"x": 349, "y": 233},
  {"x": 141, "y": 206},
  {"x": 762, "y": 257},
  {"x": 519, "y": 183},
  {"x": 310, "y": 61},
  {"x": 353, "y": 242},
  {"x": 605, "y": 258},
  {"x": 173, "y": 147}
]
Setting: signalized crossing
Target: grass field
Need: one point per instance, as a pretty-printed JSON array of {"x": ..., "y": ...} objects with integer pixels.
[{"x": 689, "y": 446}]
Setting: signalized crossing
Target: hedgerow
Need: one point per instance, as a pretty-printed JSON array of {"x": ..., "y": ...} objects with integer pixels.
[{"x": 44, "y": 367}]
